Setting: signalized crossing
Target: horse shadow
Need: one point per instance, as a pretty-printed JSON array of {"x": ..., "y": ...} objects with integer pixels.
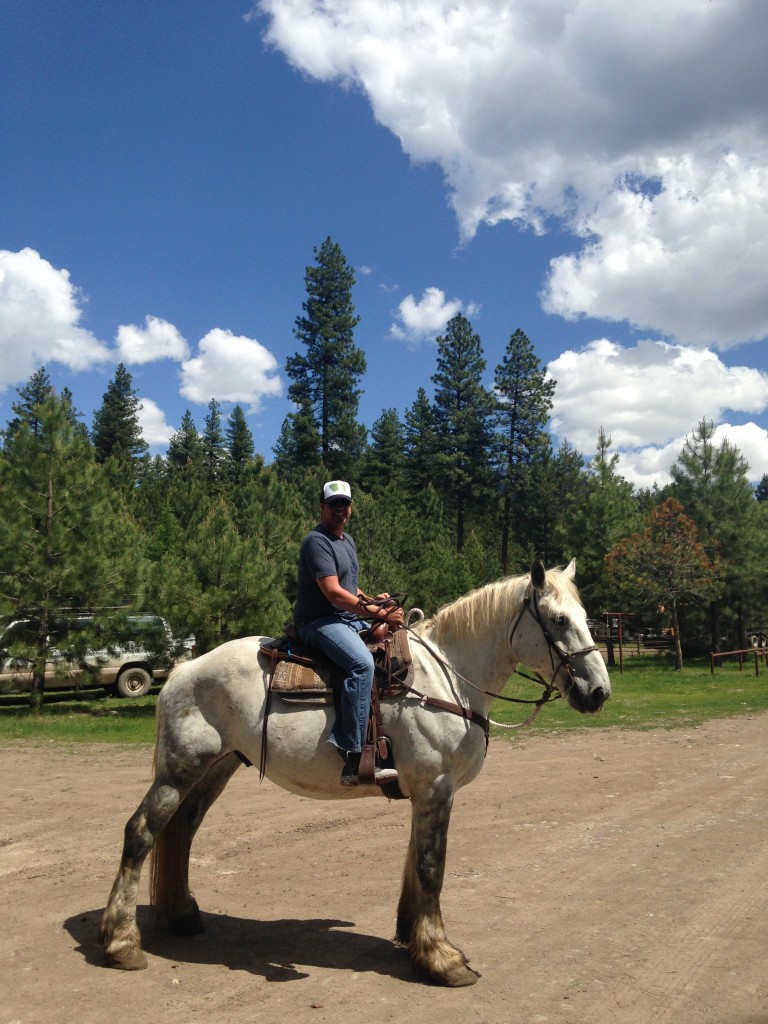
[{"x": 279, "y": 950}]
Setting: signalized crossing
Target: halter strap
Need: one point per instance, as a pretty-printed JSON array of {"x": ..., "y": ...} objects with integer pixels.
[{"x": 531, "y": 605}]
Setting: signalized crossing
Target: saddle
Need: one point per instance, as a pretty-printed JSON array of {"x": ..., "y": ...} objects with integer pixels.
[{"x": 298, "y": 675}]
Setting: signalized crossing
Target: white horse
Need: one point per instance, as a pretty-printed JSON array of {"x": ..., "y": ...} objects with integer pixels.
[{"x": 211, "y": 711}]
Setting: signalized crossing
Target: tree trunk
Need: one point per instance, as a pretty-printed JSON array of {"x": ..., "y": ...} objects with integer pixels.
[{"x": 676, "y": 637}]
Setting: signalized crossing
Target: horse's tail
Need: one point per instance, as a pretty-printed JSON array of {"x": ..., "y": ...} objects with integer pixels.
[{"x": 169, "y": 861}]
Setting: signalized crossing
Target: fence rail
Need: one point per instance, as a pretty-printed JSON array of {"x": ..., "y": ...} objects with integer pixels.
[{"x": 756, "y": 652}]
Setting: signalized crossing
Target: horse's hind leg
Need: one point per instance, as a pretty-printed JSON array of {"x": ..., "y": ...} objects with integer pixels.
[
  {"x": 118, "y": 932},
  {"x": 169, "y": 885},
  {"x": 419, "y": 918}
]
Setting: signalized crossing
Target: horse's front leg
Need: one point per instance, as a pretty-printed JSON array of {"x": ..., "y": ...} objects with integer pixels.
[{"x": 419, "y": 919}]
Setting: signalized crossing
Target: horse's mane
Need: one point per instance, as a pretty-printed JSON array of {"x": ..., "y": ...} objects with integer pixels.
[{"x": 498, "y": 602}]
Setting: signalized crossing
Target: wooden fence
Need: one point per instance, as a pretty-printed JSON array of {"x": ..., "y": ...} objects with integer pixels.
[{"x": 756, "y": 652}]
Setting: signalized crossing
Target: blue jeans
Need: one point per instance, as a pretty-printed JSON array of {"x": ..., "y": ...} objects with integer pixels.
[{"x": 341, "y": 642}]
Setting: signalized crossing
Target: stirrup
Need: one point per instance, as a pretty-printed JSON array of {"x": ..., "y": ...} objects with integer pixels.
[
  {"x": 381, "y": 777},
  {"x": 350, "y": 777}
]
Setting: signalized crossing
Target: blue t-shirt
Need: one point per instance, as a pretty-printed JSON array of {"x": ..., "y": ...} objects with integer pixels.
[{"x": 324, "y": 554}]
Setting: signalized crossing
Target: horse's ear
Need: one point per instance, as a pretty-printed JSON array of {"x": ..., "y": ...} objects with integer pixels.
[
  {"x": 569, "y": 572},
  {"x": 538, "y": 574}
]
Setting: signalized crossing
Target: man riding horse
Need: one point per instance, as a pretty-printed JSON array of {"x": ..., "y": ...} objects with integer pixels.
[{"x": 327, "y": 617}]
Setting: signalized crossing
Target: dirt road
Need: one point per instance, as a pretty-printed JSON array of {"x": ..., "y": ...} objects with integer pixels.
[{"x": 599, "y": 876}]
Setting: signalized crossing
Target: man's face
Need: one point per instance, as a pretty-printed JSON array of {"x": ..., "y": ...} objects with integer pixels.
[{"x": 336, "y": 513}]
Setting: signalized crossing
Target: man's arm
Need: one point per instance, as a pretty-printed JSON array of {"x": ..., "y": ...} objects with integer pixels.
[{"x": 341, "y": 598}]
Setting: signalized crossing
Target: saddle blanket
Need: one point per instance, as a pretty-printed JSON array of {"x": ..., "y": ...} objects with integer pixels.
[{"x": 299, "y": 675}]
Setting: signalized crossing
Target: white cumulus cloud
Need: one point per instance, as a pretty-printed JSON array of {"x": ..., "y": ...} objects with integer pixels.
[
  {"x": 40, "y": 314},
  {"x": 641, "y": 128},
  {"x": 230, "y": 368},
  {"x": 157, "y": 339},
  {"x": 427, "y": 316},
  {"x": 648, "y": 397}
]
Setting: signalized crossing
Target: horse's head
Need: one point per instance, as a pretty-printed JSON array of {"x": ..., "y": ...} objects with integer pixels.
[{"x": 551, "y": 636}]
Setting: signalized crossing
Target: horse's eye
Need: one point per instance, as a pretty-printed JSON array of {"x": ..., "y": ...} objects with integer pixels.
[{"x": 561, "y": 620}]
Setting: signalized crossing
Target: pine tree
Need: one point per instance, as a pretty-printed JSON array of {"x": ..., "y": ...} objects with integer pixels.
[
  {"x": 462, "y": 424},
  {"x": 30, "y": 396},
  {"x": 523, "y": 393},
  {"x": 382, "y": 469},
  {"x": 608, "y": 513},
  {"x": 116, "y": 429},
  {"x": 298, "y": 448},
  {"x": 326, "y": 376},
  {"x": 185, "y": 449},
  {"x": 65, "y": 544},
  {"x": 420, "y": 444},
  {"x": 240, "y": 447},
  {"x": 213, "y": 443},
  {"x": 224, "y": 585},
  {"x": 711, "y": 482}
]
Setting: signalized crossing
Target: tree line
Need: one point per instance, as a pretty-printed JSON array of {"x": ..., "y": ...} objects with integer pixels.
[{"x": 464, "y": 488}]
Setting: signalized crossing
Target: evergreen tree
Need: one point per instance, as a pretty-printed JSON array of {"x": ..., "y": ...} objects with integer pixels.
[
  {"x": 116, "y": 430},
  {"x": 761, "y": 491},
  {"x": 382, "y": 469},
  {"x": 523, "y": 393},
  {"x": 30, "y": 397},
  {"x": 185, "y": 449},
  {"x": 607, "y": 514},
  {"x": 711, "y": 481},
  {"x": 462, "y": 424},
  {"x": 223, "y": 586},
  {"x": 325, "y": 377},
  {"x": 420, "y": 442},
  {"x": 240, "y": 448},
  {"x": 298, "y": 448},
  {"x": 214, "y": 447},
  {"x": 64, "y": 544},
  {"x": 557, "y": 491}
]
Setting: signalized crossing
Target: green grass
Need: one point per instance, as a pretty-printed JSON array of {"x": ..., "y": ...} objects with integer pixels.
[
  {"x": 649, "y": 694},
  {"x": 89, "y": 716}
]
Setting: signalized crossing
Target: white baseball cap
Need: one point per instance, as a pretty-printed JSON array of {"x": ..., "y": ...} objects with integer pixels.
[{"x": 336, "y": 489}]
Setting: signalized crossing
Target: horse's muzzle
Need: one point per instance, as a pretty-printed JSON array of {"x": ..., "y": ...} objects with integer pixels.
[{"x": 588, "y": 701}]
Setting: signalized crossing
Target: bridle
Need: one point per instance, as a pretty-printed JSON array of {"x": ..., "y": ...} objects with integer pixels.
[
  {"x": 551, "y": 692},
  {"x": 564, "y": 657}
]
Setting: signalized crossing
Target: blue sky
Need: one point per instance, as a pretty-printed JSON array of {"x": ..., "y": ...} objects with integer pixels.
[{"x": 594, "y": 174}]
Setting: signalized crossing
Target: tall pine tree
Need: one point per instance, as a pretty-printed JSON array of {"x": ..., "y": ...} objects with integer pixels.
[
  {"x": 462, "y": 425},
  {"x": 326, "y": 375},
  {"x": 523, "y": 393},
  {"x": 116, "y": 432}
]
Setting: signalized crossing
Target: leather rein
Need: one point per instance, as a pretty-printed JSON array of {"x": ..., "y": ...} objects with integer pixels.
[{"x": 551, "y": 693}]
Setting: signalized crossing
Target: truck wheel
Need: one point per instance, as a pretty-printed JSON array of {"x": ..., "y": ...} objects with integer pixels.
[{"x": 133, "y": 682}]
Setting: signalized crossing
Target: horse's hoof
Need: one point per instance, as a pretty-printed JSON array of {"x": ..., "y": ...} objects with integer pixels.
[
  {"x": 463, "y": 978},
  {"x": 459, "y": 976},
  {"x": 127, "y": 959}
]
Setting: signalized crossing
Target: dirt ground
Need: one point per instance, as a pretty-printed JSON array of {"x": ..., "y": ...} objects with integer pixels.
[{"x": 592, "y": 877}]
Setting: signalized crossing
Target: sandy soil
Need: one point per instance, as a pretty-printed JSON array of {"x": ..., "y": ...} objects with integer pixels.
[{"x": 592, "y": 877}]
